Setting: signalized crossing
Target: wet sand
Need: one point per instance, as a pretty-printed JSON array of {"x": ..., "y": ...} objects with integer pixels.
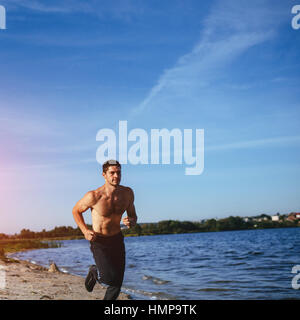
[{"x": 26, "y": 281}]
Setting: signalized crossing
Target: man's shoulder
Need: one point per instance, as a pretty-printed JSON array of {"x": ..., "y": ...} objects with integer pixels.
[
  {"x": 90, "y": 195},
  {"x": 126, "y": 189},
  {"x": 98, "y": 192},
  {"x": 93, "y": 196},
  {"x": 128, "y": 192}
]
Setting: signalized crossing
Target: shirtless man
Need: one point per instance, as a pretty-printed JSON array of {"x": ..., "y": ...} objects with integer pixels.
[{"x": 107, "y": 204}]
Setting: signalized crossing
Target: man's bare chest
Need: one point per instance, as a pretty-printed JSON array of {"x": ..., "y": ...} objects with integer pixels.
[{"x": 116, "y": 203}]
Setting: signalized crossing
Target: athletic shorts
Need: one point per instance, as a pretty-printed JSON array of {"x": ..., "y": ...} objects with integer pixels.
[{"x": 109, "y": 255}]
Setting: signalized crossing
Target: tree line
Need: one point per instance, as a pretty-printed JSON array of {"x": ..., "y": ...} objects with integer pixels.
[
  {"x": 57, "y": 232},
  {"x": 211, "y": 225},
  {"x": 161, "y": 227}
]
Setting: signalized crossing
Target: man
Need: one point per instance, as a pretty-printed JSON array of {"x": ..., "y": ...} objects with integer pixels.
[{"x": 107, "y": 204}]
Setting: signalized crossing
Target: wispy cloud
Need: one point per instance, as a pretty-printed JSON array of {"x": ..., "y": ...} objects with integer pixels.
[
  {"x": 95, "y": 39},
  {"x": 65, "y": 149},
  {"x": 278, "y": 141},
  {"x": 17, "y": 124},
  {"x": 10, "y": 168},
  {"x": 249, "y": 144},
  {"x": 230, "y": 29},
  {"x": 118, "y": 9}
]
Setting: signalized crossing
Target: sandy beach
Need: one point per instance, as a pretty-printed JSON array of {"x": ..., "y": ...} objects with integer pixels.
[{"x": 26, "y": 281}]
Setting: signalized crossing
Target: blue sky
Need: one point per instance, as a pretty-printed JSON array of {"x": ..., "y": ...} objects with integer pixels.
[{"x": 71, "y": 68}]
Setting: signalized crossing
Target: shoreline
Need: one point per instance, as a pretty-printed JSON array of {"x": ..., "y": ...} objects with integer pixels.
[
  {"x": 29, "y": 281},
  {"x": 125, "y": 234},
  {"x": 23, "y": 280}
]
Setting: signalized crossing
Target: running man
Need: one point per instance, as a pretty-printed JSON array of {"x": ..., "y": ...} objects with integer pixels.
[{"x": 107, "y": 204}]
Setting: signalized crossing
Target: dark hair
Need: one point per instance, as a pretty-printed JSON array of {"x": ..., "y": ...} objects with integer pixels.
[{"x": 109, "y": 163}]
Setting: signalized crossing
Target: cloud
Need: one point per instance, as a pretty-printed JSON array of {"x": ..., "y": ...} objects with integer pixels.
[
  {"x": 278, "y": 141},
  {"x": 118, "y": 9},
  {"x": 230, "y": 29},
  {"x": 83, "y": 147},
  {"x": 39, "y": 6},
  {"x": 23, "y": 167},
  {"x": 25, "y": 127}
]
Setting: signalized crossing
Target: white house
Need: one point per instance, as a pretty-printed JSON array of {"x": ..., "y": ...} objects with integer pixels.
[{"x": 276, "y": 217}]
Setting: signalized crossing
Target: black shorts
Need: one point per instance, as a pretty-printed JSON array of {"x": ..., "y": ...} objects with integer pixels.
[{"x": 109, "y": 255}]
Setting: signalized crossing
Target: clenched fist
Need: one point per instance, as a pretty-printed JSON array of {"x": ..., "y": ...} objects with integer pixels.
[
  {"x": 129, "y": 222},
  {"x": 89, "y": 235}
]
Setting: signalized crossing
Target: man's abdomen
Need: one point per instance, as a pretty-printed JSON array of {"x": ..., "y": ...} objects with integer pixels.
[{"x": 106, "y": 225}]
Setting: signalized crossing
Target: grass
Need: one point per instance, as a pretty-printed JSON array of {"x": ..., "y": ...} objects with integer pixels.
[{"x": 10, "y": 246}]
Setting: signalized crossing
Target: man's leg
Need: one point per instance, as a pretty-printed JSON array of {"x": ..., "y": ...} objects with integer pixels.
[
  {"x": 91, "y": 278},
  {"x": 112, "y": 293},
  {"x": 110, "y": 261}
]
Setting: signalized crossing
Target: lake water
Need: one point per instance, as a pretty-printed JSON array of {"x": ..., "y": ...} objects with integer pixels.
[{"x": 251, "y": 264}]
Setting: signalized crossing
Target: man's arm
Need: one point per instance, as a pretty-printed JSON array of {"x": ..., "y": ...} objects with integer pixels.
[
  {"x": 81, "y": 206},
  {"x": 131, "y": 219}
]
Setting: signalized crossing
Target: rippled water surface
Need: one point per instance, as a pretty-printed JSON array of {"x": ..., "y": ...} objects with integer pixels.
[{"x": 252, "y": 264}]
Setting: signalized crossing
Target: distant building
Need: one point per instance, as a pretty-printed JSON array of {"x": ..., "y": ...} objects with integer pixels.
[
  {"x": 260, "y": 218},
  {"x": 293, "y": 216},
  {"x": 276, "y": 217}
]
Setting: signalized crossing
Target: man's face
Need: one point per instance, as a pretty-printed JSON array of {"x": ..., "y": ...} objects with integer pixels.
[{"x": 113, "y": 175}]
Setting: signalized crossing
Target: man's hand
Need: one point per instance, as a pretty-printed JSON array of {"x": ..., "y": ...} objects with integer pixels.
[
  {"x": 89, "y": 235},
  {"x": 129, "y": 222}
]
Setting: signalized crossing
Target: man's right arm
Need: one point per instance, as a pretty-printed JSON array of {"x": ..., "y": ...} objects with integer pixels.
[{"x": 81, "y": 206}]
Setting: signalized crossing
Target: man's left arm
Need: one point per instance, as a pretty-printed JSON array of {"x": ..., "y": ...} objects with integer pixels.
[{"x": 131, "y": 219}]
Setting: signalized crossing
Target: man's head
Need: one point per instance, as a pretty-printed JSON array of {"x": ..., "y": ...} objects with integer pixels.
[{"x": 111, "y": 171}]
